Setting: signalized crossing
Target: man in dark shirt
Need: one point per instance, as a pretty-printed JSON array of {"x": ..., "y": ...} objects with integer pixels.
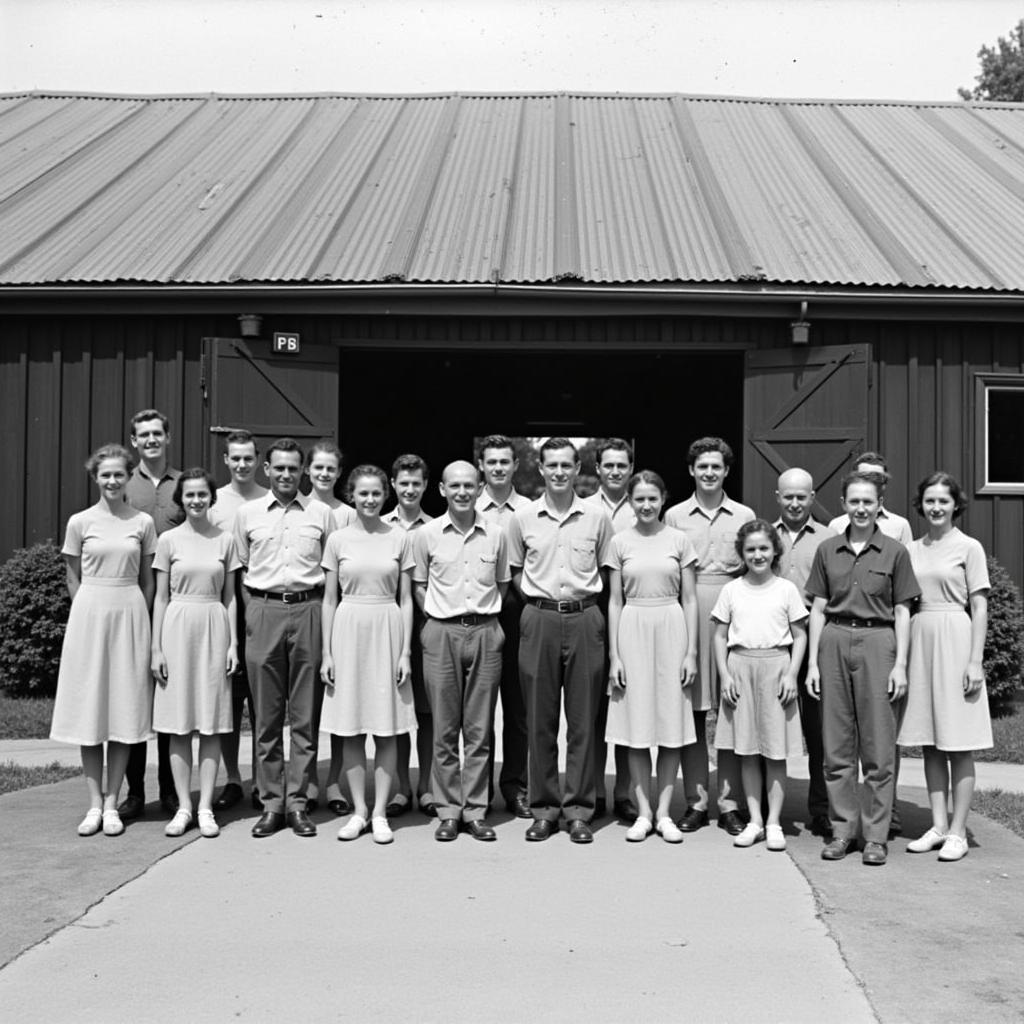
[{"x": 861, "y": 585}]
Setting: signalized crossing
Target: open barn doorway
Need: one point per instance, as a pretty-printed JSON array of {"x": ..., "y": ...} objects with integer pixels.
[{"x": 435, "y": 402}]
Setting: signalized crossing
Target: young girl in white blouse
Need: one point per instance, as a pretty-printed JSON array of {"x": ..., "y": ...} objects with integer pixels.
[{"x": 759, "y": 640}]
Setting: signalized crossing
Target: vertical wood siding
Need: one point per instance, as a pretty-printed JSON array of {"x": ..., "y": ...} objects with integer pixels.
[{"x": 68, "y": 384}]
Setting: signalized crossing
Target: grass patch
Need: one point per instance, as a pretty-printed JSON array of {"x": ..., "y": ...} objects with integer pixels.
[
  {"x": 25, "y": 718},
  {"x": 15, "y": 776},
  {"x": 1005, "y": 808}
]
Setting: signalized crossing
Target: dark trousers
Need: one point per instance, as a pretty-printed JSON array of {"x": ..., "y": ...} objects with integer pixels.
[
  {"x": 283, "y": 652},
  {"x": 462, "y": 669},
  {"x": 810, "y": 722},
  {"x": 561, "y": 654},
  {"x": 858, "y": 723},
  {"x": 514, "y": 743},
  {"x": 135, "y": 773}
]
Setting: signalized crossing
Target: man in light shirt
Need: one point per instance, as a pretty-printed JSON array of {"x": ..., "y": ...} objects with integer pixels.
[
  {"x": 240, "y": 455},
  {"x": 498, "y": 502},
  {"x": 460, "y": 576},
  {"x": 280, "y": 540},
  {"x": 801, "y": 534}
]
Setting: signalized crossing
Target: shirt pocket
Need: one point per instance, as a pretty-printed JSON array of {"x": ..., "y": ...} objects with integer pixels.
[
  {"x": 308, "y": 541},
  {"x": 584, "y": 555},
  {"x": 877, "y": 583},
  {"x": 486, "y": 569}
]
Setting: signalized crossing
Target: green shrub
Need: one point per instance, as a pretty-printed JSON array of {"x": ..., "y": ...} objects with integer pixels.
[
  {"x": 1004, "y": 644},
  {"x": 34, "y": 607}
]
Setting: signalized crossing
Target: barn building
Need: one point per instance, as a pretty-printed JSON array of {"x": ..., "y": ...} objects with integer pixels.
[{"x": 407, "y": 272}]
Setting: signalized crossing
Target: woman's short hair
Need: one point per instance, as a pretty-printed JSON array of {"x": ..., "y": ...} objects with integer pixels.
[
  {"x": 760, "y": 526},
  {"x": 325, "y": 446},
  {"x": 940, "y": 478},
  {"x": 108, "y": 451},
  {"x": 365, "y": 470},
  {"x": 646, "y": 476},
  {"x": 195, "y": 473}
]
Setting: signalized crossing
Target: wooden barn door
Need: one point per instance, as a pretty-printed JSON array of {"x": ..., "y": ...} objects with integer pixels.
[
  {"x": 804, "y": 407},
  {"x": 245, "y": 386}
]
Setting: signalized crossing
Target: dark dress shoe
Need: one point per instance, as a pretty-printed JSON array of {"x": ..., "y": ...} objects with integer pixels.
[
  {"x": 270, "y": 823},
  {"x": 624, "y": 811},
  {"x": 481, "y": 830},
  {"x": 299, "y": 823},
  {"x": 731, "y": 822},
  {"x": 428, "y": 807},
  {"x": 169, "y": 805},
  {"x": 821, "y": 826},
  {"x": 540, "y": 830},
  {"x": 600, "y": 807},
  {"x": 339, "y": 807},
  {"x": 579, "y": 831},
  {"x": 230, "y": 795},
  {"x": 519, "y": 805},
  {"x": 447, "y": 830},
  {"x": 397, "y": 807},
  {"x": 312, "y": 805},
  {"x": 257, "y": 803},
  {"x": 874, "y": 854},
  {"x": 693, "y": 820},
  {"x": 131, "y": 807},
  {"x": 837, "y": 849}
]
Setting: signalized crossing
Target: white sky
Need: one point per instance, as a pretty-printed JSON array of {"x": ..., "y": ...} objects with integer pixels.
[{"x": 895, "y": 49}]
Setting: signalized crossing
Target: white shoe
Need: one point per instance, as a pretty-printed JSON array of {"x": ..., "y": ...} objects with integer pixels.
[
  {"x": 751, "y": 834},
  {"x": 381, "y": 831},
  {"x": 112, "y": 823},
  {"x": 208, "y": 827},
  {"x": 775, "y": 838},
  {"x": 92, "y": 822},
  {"x": 179, "y": 824},
  {"x": 954, "y": 848},
  {"x": 639, "y": 830},
  {"x": 668, "y": 830},
  {"x": 931, "y": 840},
  {"x": 353, "y": 828}
]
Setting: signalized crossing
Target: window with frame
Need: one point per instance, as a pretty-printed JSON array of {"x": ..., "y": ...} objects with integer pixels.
[{"x": 999, "y": 433}]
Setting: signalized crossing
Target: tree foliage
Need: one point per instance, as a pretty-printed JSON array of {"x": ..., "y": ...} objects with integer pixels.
[
  {"x": 1004, "y": 643},
  {"x": 1002, "y": 70}
]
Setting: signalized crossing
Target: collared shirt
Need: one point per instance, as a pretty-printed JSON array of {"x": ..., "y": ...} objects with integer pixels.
[
  {"x": 461, "y": 570},
  {"x": 155, "y": 497},
  {"x": 229, "y": 501},
  {"x": 888, "y": 522},
  {"x": 621, "y": 514},
  {"x": 712, "y": 534},
  {"x": 862, "y": 586},
  {"x": 282, "y": 545},
  {"x": 561, "y": 556},
  {"x": 394, "y": 518},
  {"x": 798, "y": 552},
  {"x": 501, "y": 513},
  {"x": 341, "y": 515}
]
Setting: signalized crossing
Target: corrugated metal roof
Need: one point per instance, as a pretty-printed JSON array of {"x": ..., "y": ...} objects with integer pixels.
[{"x": 521, "y": 189}]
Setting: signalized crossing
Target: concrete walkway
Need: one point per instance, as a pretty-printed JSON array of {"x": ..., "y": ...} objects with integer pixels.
[{"x": 238, "y": 929}]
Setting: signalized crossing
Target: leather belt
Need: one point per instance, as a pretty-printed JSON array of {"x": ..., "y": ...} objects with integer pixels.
[
  {"x": 288, "y": 596},
  {"x": 563, "y": 607},
  {"x": 842, "y": 620},
  {"x": 467, "y": 620}
]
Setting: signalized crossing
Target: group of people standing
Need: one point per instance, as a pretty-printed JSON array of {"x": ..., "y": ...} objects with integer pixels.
[{"x": 637, "y": 619}]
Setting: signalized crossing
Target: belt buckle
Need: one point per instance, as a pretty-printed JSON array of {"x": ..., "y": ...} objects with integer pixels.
[
  {"x": 291, "y": 597},
  {"x": 564, "y": 607}
]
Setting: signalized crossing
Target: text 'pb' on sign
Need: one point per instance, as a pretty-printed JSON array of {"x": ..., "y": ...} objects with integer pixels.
[{"x": 285, "y": 343}]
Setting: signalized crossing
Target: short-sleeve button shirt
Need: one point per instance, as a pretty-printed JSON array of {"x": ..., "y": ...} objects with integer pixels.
[
  {"x": 394, "y": 518},
  {"x": 461, "y": 570},
  {"x": 621, "y": 514},
  {"x": 501, "y": 512},
  {"x": 282, "y": 544},
  {"x": 798, "y": 552},
  {"x": 712, "y": 534},
  {"x": 864, "y": 586},
  {"x": 155, "y": 497},
  {"x": 561, "y": 556}
]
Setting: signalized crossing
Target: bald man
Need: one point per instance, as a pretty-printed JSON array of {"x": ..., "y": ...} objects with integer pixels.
[
  {"x": 460, "y": 578},
  {"x": 801, "y": 534}
]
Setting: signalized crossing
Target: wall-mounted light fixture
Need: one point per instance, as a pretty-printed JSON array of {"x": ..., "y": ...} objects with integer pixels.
[
  {"x": 800, "y": 330},
  {"x": 250, "y": 324}
]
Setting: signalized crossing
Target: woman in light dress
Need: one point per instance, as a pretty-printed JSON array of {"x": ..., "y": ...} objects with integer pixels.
[
  {"x": 946, "y": 711},
  {"x": 195, "y": 647},
  {"x": 367, "y": 632},
  {"x": 104, "y": 693},
  {"x": 652, "y": 643}
]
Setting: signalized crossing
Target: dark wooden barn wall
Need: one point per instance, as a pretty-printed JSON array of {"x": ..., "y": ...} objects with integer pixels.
[{"x": 68, "y": 384}]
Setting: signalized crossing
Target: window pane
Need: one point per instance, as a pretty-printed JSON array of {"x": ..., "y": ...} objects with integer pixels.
[{"x": 1006, "y": 435}]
